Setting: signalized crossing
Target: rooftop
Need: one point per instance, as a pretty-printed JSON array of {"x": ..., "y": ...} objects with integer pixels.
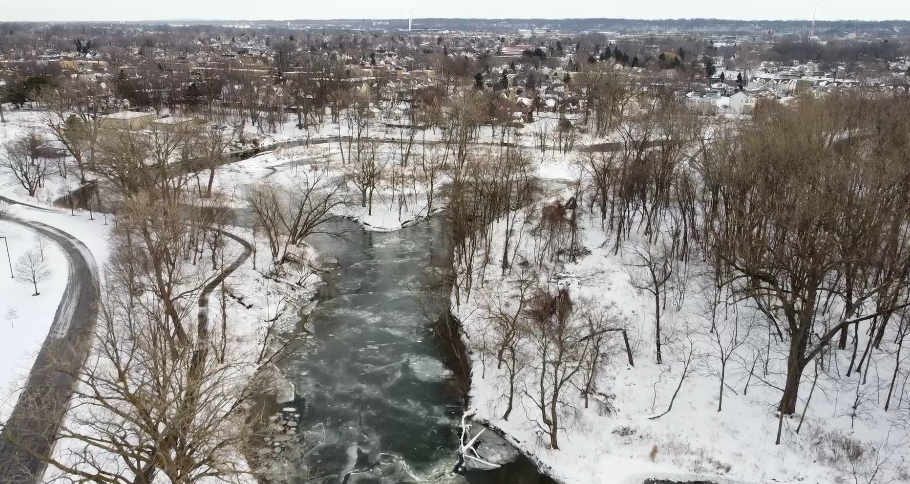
[{"x": 127, "y": 115}]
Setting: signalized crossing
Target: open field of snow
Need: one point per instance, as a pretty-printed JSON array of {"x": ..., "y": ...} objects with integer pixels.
[{"x": 25, "y": 319}]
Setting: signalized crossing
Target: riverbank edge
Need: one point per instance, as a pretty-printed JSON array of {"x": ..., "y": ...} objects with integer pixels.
[
  {"x": 266, "y": 404},
  {"x": 465, "y": 344}
]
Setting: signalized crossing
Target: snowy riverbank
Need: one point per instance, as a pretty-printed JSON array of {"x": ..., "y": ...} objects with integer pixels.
[{"x": 622, "y": 428}]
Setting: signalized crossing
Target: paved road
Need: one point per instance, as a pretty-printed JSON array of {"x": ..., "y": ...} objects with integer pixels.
[{"x": 42, "y": 405}]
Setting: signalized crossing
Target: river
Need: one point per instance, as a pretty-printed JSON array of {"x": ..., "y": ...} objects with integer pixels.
[{"x": 373, "y": 403}]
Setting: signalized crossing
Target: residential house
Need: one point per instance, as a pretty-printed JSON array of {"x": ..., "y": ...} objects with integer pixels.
[
  {"x": 127, "y": 120},
  {"x": 741, "y": 103}
]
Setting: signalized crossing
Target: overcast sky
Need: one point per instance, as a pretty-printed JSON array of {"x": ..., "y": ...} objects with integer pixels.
[{"x": 115, "y": 10}]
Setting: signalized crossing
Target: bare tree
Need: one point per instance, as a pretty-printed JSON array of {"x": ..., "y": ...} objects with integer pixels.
[
  {"x": 431, "y": 163},
  {"x": 24, "y": 159},
  {"x": 560, "y": 353},
  {"x": 31, "y": 269},
  {"x": 365, "y": 171},
  {"x": 729, "y": 331},
  {"x": 689, "y": 356},
  {"x": 652, "y": 272},
  {"x": 145, "y": 409},
  {"x": 210, "y": 146},
  {"x": 71, "y": 114},
  {"x": 11, "y": 315},
  {"x": 42, "y": 243},
  {"x": 506, "y": 314},
  {"x": 287, "y": 215}
]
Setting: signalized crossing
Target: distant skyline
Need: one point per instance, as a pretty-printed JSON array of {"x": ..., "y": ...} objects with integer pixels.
[{"x": 201, "y": 10}]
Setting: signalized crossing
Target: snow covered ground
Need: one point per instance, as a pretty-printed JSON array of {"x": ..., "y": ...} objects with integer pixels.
[
  {"x": 616, "y": 439},
  {"x": 254, "y": 305},
  {"x": 24, "y": 319}
]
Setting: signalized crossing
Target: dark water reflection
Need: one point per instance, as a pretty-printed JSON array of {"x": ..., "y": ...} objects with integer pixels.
[{"x": 374, "y": 405}]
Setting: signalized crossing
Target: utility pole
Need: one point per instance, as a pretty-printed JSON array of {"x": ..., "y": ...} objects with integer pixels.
[{"x": 8, "y": 258}]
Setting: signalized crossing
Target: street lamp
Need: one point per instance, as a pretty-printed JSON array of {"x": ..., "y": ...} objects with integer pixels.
[{"x": 10, "y": 260}]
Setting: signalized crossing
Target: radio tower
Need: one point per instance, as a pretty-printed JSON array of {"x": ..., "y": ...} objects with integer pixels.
[{"x": 814, "y": 11}]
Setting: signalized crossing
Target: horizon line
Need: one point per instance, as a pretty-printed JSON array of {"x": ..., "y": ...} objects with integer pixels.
[{"x": 489, "y": 19}]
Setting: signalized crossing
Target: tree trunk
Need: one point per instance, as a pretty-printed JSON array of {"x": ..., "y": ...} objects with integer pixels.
[
  {"x": 720, "y": 398},
  {"x": 897, "y": 359},
  {"x": 208, "y": 189},
  {"x": 791, "y": 388},
  {"x": 554, "y": 426},
  {"x": 657, "y": 325},
  {"x": 508, "y": 411}
]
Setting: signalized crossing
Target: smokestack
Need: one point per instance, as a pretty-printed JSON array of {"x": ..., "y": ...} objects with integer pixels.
[{"x": 409, "y": 19}]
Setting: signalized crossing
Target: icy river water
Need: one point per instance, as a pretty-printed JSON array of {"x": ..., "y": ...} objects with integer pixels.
[{"x": 372, "y": 402}]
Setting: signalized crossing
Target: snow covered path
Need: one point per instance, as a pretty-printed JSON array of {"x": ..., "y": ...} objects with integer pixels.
[
  {"x": 45, "y": 398},
  {"x": 213, "y": 284}
]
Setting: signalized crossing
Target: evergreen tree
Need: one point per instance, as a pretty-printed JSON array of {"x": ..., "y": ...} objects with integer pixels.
[
  {"x": 635, "y": 61},
  {"x": 567, "y": 79},
  {"x": 625, "y": 59},
  {"x": 709, "y": 67},
  {"x": 504, "y": 81},
  {"x": 681, "y": 53},
  {"x": 478, "y": 80},
  {"x": 723, "y": 77}
]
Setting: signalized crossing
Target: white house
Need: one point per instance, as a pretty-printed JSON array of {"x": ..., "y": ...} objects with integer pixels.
[
  {"x": 742, "y": 103},
  {"x": 703, "y": 103}
]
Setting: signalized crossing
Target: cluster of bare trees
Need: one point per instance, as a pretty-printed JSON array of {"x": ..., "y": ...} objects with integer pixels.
[
  {"x": 784, "y": 240},
  {"x": 164, "y": 394},
  {"x": 544, "y": 344},
  {"x": 169, "y": 392},
  {"x": 289, "y": 214},
  {"x": 809, "y": 222},
  {"x": 800, "y": 216}
]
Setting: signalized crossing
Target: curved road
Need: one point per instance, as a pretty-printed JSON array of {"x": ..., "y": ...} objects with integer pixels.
[{"x": 42, "y": 405}]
